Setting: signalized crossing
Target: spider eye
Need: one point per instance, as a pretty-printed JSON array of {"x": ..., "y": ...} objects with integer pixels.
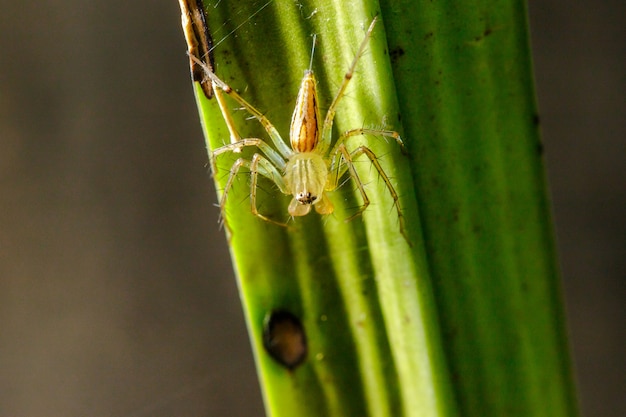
[{"x": 306, "y": 198}]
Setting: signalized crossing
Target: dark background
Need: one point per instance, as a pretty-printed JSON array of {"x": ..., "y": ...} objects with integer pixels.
[{"x": 117, "y": 296}]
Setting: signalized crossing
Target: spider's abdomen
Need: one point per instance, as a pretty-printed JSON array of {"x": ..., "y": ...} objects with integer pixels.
[{"x": 304, "y": 132}]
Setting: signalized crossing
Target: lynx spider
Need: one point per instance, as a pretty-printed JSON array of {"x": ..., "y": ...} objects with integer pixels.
[{"x": 307, "y": 169}]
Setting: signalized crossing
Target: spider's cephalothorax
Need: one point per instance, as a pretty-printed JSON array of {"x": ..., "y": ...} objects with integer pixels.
[{"x": 310, "y": 167}]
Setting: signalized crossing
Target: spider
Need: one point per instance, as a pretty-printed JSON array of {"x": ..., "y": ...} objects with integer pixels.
[{"x": 311, "y": 167}]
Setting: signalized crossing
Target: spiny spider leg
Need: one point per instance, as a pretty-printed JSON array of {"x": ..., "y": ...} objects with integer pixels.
[
  {"x": 262, "y": 166},
  {"x": 277, "y": 140},
  {"x": 327, "y": 128},
  {"x": 228, "y": 118},
  {"x": 258, "y": 165},
  {"x": 236, "y": 147},
  {"x": 373, "y": 132},
  {"x": 344, "y": 161}
]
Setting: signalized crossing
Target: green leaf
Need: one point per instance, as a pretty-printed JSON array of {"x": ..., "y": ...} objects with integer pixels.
[
  {"x": 481, "y": 186},
  {"x": 467, "y": 320}
]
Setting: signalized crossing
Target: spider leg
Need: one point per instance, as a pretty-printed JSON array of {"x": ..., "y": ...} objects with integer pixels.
[
  {"x": 344, "y": 162},
  {"x": 271, "y": 154},
  {"x": 327, "y": 129},
  {"x": 374, "y": 132},
  {"x": 234, "y": 169},
  {"x": 228, "y": 118},
  {"x": 277, "y": 140},
  {"x": 258, "y": 165}
]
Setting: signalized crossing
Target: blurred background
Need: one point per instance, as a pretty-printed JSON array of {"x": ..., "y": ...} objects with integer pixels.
[{"x": 117, "y": 296}]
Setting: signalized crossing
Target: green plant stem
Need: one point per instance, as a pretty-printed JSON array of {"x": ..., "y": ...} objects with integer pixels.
[{"x": 467, "y": 319}]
